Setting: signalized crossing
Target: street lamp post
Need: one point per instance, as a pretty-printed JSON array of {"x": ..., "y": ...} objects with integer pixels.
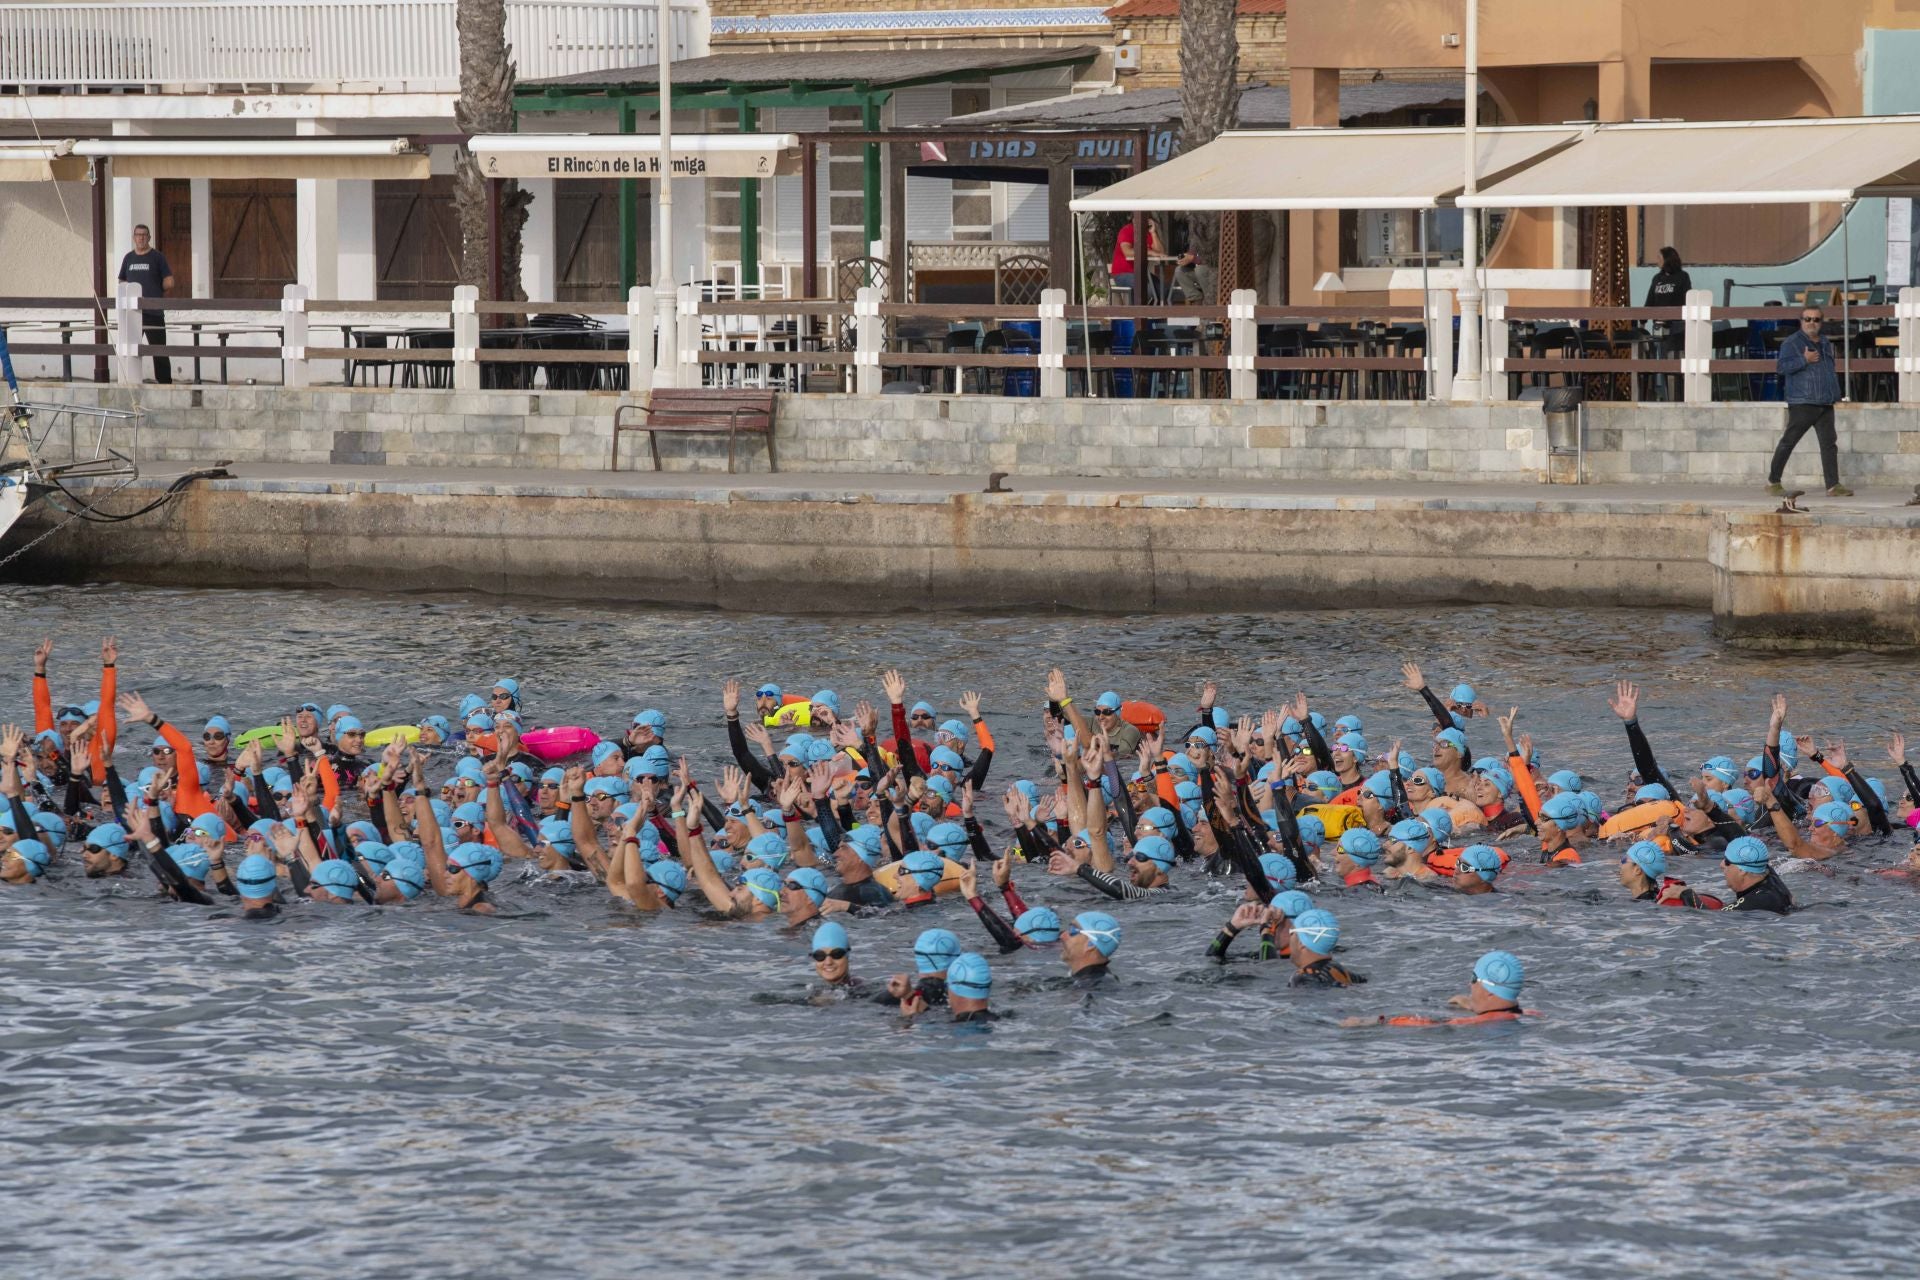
[{"x": 1467, "y": 384}]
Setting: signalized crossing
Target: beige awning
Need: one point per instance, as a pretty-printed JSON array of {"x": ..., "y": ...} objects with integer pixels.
[
  {"x": 40, "y": 162},
  {"x": 257, "y": 157},
  {"x": 1727, "y": 162},
  {"x": 635, "y": 155},
  {"x": 1328, "y": 169}
]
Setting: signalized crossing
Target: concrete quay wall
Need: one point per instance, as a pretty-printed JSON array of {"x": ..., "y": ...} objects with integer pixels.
[{"x": 971, "y": 435}]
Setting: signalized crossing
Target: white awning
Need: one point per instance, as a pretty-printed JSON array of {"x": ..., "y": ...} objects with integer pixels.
[
  {"x": 39, "y": 162},
  {"x": 1724, "y": 162},
  {"x": 1328, "y": 169},
  {"x": 635, "y": 155},
  {"x": 256, "y": 157}
]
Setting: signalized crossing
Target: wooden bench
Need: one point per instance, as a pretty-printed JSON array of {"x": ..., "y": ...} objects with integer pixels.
[{"x": 706, "y": 409}]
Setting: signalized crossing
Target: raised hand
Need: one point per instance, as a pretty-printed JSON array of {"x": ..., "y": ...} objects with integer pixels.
[
  {"x": 868, "y": 717},
  {"x": 1043, "y": 812},
  {"x": 1411, "y": 677},
  {"x": 966, "y": 800},
  {"x": 140, "y": 819},
  {"x": 109, "y": 652},
  {"x": 284, "y": 740},
  {"x": 757, "y": 734},
  {"x": 80, "y": 755},
  {"x": 844, "y": 735},
  {"x": 969, "y": 882},
  {"x": 1248, "y": 915},
  {"x": 574, "y": 779},
  {"x": 1242, "y": 736},
  {"x": 1061, "y": 863},
  {"x": 1897, "y": 749},
  {"x": 1506, "y": 724},
  {"x": 1003, "y": 870},
  {"x": 970, "y": 703},
  {"x": 1804, "y": 745},
  {"x": 1299, "y": 708},
  {"x": 1626, "y": 700},
  {"x": 820, "y": 780},
  {"x": 1015, "y": 803},
  {"x": 133, "y": 707},
  {"x": 40, "y": 656},
  {"x": 1208, "y": 693},
  {"x": 895, "y": 686},
  {"x": 1056, "y": 685},
  {"x": 1836, "y": 753},
  {"x": 733, "y": 785},
  {"x": 1779, "y": 711},
  {"x": 730, "y": 697}
]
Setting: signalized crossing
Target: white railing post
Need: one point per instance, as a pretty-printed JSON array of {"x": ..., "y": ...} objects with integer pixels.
[
  {"x": 1053, "y": 343},
  {"x": 640, "y": 339},
  {"x": 127, "y": 334},
  {"x": 466, "y": 338},
  {"x": 1499, "y": 338},
  {"x": 1440, "y": 344},
  {"x": 1696, "y": 358},
  {"x": 866, "y": 341},
  {"x": 1243, "y": 344},
  {"x": 687, "y": 336},
  {"x": 1906, "y": 312},
  {"x": 294, "y": 371}
]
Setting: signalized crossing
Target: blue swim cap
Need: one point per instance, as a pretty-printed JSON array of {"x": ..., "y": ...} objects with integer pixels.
[
  {"x": 522, "y": 772},
  {"x": 1155, "y": 849},
  {"x": 347, "y": 724},
  {"x": 1317, "y": 931},
  {"x": 1836, "y": 815},
  {"x": 1435, "y": 780},
  {"x": 970, "y": 976},
  {"x": 480, "y": 721},
  {"x": 869, "y": 842},
  {"x": 650, "y": 719},
  {"x": 439, "y": 724},
  {"x": 796, "y": 746},
  {"x": 109, "y": 837},
  {"x": 1160, "y": 818},
  {"x": 764, "y": 884},
  {"x": 1878, "y": 788},
  {"x": 557, "y": 832},
  {"x": 1100, "y": 929},
  {"x": 657, "y": 760},
  {"x": 1566, "y": 780},
  {"x": 606, "y": 787},
  {"x": 810, "y": 882},
  {"x": 941, "y": 787},
  {"x": 1202, "y": 733},
  {"x": 553, "y": 777},
  {"x": 819, "y": 751},
  {"x": 468, "y": 769},
  {"x": 827, "y": 698},
  {"x": 336, "y": 877},
  {"x": 921, "y": 822},
  {"x": 771, "y": 849},
  {"x": 1354, "y": 743},
  {"x": 209, "y": 824},
  {"x": 1649, "y": 857},
  {"x": 1313, "y": 832},
  {"x": 1500, "y": 974},
  {"x": 768, "y": 689},
  {"x": 218, "y": 724},
  {"x": 1748, "y": 854},
  {"x": 468, "y": 705},
  {"x": 1361, "y": 845},
  {"x": 1738, "y": 803},
  {"x": 35, "y": 856},
  {"x": 1184, "y": 767},
  {"x": 922, "y": 709},
  {"x": 636, "y": 767},
  {"x": 1349, "y": 723},
  {"x": 723, "y": 860},
  {"x": 955, "y": 729},
  {"x": 1413, "y": 833},
  {"x": 1108, "y": 701},
  {"x": 1038, "y": 924},
  {"x": 256, "y": 876},
  {"x": 479, "y": 861},
  {"x": 1481, "y": 859},
  {"x": 1324, "y": 780},
  {"x": 925, "y": 868},
  {"x": 1454, "y": 738},
  {"x": 1590, "y": 805},
  {"x": 1720, "y": 767},
  {"x": 669, "y": 877},
  {"x": 1438, "y": 821},
  {"x": 473, "y": 813},
  {"x": 1292, "y": 904},
  {"x": 830, "y": 935},
  {"x": 190, "y": 858},
  {"x": 1279, "y": 873},
  {"x": 1379, "y": 786},
  {"x": 442, "y": 812},
  {"x": 949, "y": 838},
  {"x": 407, "y": 869},
  {"x": 1840, "y": 789},
  {"x": 372, "y": 852},
  {"x": 1463, "y": 692},
  {"x": 1789, "y": 750},
  {"x": 1028, "y": 789},
  {"x": 53, "y": 827},
  {"x": 1652, "y": 791},
  {"x": 946, "y": 758},
  {"x": 934, "y": 950},
  {"x": 1563, "y": 811},
  {"x": 603, "y": 752}
]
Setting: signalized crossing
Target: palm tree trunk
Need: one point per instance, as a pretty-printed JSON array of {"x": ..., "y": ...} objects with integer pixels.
[
  {"x": 486, "y": 106},
  {"x": 1209, "y": 95}
]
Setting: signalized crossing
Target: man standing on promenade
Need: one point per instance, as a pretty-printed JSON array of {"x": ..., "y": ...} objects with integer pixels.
[
  {"x": 1806, "y": 367},
  {"x": 147, "y": 267}
]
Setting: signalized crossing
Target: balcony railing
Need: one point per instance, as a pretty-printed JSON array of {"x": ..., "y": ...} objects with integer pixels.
[{"x": 316, "y": 44}]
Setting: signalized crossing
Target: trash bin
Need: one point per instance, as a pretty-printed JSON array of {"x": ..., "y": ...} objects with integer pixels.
[{"x": 1562, "y": 407}]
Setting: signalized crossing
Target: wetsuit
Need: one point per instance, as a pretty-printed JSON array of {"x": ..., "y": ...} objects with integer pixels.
[
  {"x": 1269, "y": 948},
  {"x": 862, "y": 893},
  {"x": 977, "y": 1015},
  {"x": 1118, "y": 887},
  {"x": 1686, "y": 898},
  {"x": 1769, "y": 895},
  {"x": 1325, "y": 973},
  {"x": 1491, "y": 1015},
  {"x": 1643, "y": 762}
]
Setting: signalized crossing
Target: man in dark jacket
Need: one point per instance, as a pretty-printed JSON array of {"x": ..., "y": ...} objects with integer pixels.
[{"x": 1807, "y": 369}]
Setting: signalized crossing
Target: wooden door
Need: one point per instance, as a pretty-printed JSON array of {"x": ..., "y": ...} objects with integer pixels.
[
  {"x": 586, "y": 240},
  {"x": 416, "y": 234},
  {"x": 173, "y": 230},
  {"x": 254, "y": 237}
]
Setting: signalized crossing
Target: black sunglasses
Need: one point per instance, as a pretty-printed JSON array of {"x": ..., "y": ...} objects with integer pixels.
[
  {"x": 213, "y": 735},
  {"x": 831, "y": 953}
]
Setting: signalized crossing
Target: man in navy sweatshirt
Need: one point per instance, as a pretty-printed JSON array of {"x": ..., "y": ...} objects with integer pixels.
[{"x": 1806, "y": 367}]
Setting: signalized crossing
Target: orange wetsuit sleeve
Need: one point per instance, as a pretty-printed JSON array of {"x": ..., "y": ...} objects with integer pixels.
[
  {"x": 42, "y": 704},
  {"x": 190, "y": 797},
  {"x": 1831, "y": 771},
  {"x": 106, "y": 729},
  {"x": 1523, "y": 780},
  {"x": 984, "y": 734},
  {"x": 329, "y": 783}
]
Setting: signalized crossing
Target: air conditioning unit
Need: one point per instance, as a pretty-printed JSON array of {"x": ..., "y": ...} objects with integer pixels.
[{"x": 1126, "y": 57}]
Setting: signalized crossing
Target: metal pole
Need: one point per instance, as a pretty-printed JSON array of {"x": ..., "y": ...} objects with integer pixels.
[
  {"x": 629, "y": 202},
  {"x": 97, "y": 176},
  {"x": 665, "y": 290},
  {"x": 809, "y": 222},
  {"x": 1846, "y": 307},
  {"x": 496, "y": 275},
  {"x": 1426, "y": 304},
  {"x": 1467, "y": 383}
]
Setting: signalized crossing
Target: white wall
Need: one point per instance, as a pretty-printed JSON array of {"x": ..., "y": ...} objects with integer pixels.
[{"x": 43, "y": 249}]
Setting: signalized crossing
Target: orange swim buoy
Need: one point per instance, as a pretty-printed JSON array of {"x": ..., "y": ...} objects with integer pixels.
[{"x": 1144, "y": 716}]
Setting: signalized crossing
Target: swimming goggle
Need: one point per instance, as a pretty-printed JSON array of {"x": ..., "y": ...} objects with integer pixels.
[{"x": 831, "y": 953}]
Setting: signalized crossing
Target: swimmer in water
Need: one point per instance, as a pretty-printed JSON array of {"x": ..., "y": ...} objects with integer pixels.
[
  {"x": 1315, "y": 935},
  {"x": 1087, "y": 946},
  {"x": 933, "y": 952},
  {"x": 1492, "y": 996},
  {"x": 969, "y": 986}
]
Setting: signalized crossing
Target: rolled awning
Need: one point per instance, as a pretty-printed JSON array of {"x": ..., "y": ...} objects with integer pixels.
[
  {"x": 1329, "y": 169},
  {"x": 1722, "y": 162},
  {"x": 258, "y": 157},
  {"x": 40, "y": 162}
]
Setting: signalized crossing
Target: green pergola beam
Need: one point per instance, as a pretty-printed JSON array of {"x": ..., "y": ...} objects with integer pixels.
[
  {"x": 629, "y": 217},
  {"x": 749, "y": 210}
]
